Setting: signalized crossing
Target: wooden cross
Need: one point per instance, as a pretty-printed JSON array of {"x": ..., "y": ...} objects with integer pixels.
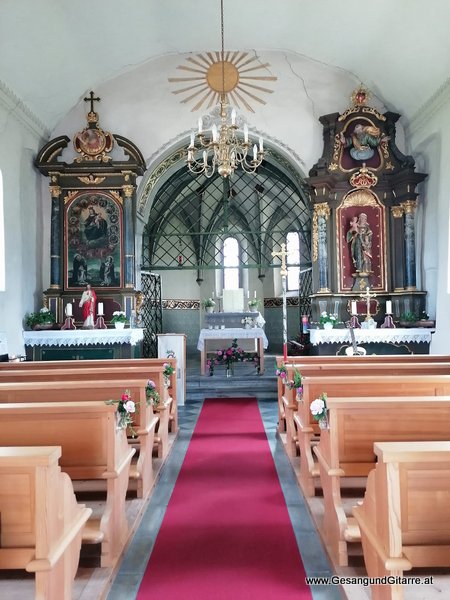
[
  {"x": 91, "y": 99},
  {"x": 367, "y": 297},
  {"x": 282, "y": 254}
]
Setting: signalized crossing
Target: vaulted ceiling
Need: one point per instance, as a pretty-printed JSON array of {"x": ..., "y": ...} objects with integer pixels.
[{"x": 53, "y": 51}]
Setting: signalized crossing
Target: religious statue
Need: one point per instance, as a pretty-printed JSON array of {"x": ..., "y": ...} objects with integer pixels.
[
  {"x": 363, "y": 141},
  {"x": 360, "y": 238},
  {"x": 87, "y": 303}
]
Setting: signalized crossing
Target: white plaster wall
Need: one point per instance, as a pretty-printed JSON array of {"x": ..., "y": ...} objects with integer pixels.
[
  {"x": 431, "y": 143},
  {"x": 24, "y": 222}
]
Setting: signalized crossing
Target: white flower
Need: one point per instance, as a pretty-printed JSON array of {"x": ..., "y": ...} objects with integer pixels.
[
  {"x": 130, "y": 406},
  {"x": 44, "y": 310},
  {"x": 317, "y": 406},
  {"x": 324, "y": 313},
  {"x": 116, "y": 313}
]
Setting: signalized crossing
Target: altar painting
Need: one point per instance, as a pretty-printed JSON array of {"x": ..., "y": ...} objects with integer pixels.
[{"x": 93, "y": 238}]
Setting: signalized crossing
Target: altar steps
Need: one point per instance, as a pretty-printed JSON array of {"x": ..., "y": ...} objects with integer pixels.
[{"x": 244, "y": 382}]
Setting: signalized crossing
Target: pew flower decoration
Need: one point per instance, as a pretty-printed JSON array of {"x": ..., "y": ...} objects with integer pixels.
[
  {"x": 319, "y": 410},
  {"x": 151, "y": 393},
  {"x": 126, "y": 407},
  {"x": 281, "y": 372},
  {"x": 119, "y": 317},
  {"x": 295, "y": 382}
]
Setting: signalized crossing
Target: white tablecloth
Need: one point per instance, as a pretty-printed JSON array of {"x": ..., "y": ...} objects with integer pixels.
[
  {"x": 83, "y": 337},
  {"x": 392, "y": 336},
  {"x": 239, "y": 333}
]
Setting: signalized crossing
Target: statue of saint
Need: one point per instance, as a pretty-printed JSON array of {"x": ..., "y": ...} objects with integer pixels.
[
  {"x": 359, "y": 236},
  {"x": 87, "y": 303},
  {"x": 363, "y": 141}
]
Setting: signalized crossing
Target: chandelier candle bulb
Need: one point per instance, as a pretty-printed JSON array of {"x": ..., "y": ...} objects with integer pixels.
[
  {"x": 261, "y": 149},
  {"x": 255, "y": 152},
  {"x": 254, "y": 295},
  {"x": 245, "y": 133},
  {"x": 354, "y": 311},
  {"x": 205, "y": 157},
  {"x": 191, "y": 145},
  {"x": 233, "y": 117},
  {"x": 214, "y": 132},
  {"x": 100, "y": 309},
  {"x": 200, "y": 125},
  {"x": 388, "y": 307},
  {"x": 69, "y": 310}
]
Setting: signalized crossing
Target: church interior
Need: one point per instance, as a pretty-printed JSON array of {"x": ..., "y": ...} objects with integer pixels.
[{"x": 224, "y": 222}]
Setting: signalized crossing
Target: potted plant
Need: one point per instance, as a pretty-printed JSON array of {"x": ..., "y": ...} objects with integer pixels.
[
  {"x": 44, "y": 319},
  {"x": 253, "y": 304},
  {"x": 327, "y": 320},
  {"x": 119, "y": 319},
  {"x": 208, "y": 305},
  {"x": 408, "y": 319}
]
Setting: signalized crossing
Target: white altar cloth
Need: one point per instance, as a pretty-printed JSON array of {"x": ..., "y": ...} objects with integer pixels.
[
  {"x": 231, "y": 333},
  {"x": 390, "y": 336},
  {"x": 83, "y": 337}
]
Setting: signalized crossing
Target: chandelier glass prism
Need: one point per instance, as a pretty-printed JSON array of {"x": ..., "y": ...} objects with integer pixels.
[{"x": 224, "y": 148}]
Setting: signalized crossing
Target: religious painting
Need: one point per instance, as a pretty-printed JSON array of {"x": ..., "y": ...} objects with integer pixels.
[
  {"x": 361, "y": 231},
  {"x": 362, "y": 143},
  {"x": 93, "y": 240}
]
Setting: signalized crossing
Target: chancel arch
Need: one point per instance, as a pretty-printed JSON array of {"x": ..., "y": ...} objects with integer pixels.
[{"x": 188, "y": 218}]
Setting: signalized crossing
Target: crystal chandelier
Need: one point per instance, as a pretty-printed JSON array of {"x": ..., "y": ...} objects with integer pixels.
[{"x": 222, "y": 149}]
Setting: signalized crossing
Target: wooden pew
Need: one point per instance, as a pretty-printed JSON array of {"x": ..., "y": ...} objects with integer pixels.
[
  {"x": 353, "y": 386},
  {"x": 41, "y": 522},
  {"x": 92, "y": 449},
  {"x": 346, "y": 449},
  {"x": 145, "y": 421},
  {"x": 334, "y": 365},
  {"x": 84, "y": 370},
  {"x": 404, "y": 518}
]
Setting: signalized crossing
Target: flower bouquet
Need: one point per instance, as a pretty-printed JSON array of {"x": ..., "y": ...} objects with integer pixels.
[
  {"x": 327, "y": 320},
  {"x": 119, "y": 317},
  {"x": 44, "y": 319},
  {"x": 281, "y": 372},
  {"x": 253, "y": 304},
  {"x": 295, "y": 382},
  {"x": 319, "y": 410},
  {"x": 231, "y": 355},
  {"x": 126, "y": 407},
  {"x": 151, "y": 393}
]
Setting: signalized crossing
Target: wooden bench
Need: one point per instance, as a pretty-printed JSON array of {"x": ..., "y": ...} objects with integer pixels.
[
  {"x": 100, "y": 369},
  {"x": 145, "y": 421},
  {"x": 92, "y": 449},
  {"x": 346, "y": 449},
  {"x": 352, "y": 386},
  {"x": 41, "y": 522},
  {"x": 404, "y": 518}
]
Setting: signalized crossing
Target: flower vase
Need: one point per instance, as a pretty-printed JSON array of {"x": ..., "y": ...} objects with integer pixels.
[
  {"x": 119, "y": 325},
  {"x": 166, "y": 381},
  {"x": 323, "y": 422},
  {"x": 209, "y": 309},
  {"x": 328, "y": 325}
]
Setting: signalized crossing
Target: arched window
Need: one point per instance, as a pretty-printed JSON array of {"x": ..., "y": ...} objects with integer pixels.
[
  {"x": 230, "y": 264},
  {"x": 2, "y": 239},
  {"x": 293, "y": 258}
]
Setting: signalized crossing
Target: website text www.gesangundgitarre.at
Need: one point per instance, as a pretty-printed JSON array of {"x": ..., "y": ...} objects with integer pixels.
[{"x": 366, "y": 581}]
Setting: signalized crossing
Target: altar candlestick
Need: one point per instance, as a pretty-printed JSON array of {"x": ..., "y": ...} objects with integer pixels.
[
  {"x": 388, "y": 307},
  {"x": 100, "y": 308},
  {"x": 354, "y": 309},
  {"x": 68, "y": 310}
]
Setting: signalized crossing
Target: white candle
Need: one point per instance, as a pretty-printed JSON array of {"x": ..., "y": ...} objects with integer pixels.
[
  {"x": 68, "y": 310},
  {"x": 354, "y": 310},
  {"x": 388, "y": 307},
  {"x": 233, "y": 117},
  {"x": 200, "y": 125},
  {"x": 255, "y": 152},
  {"x": 245, "y": 133},
  {"x": 254, "y": 295},
  {"x": 192, "y": 139},
  {"x": 261, "y": 147},
  {"x": 214, "y": 132},
  {"x": 248, "y": 294},
  {"x": 205, "y": 157},
  {"x": 100, "y": 309}
]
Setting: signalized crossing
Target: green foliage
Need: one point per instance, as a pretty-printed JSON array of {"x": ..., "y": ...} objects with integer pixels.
[{"x": 44, "y": 316}]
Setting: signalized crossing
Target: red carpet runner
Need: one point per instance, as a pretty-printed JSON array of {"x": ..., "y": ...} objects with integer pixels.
[{"x": 226, "y": 534}]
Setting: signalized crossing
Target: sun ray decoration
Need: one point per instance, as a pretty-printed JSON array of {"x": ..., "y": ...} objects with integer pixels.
[{"x": 241, "y": 85}]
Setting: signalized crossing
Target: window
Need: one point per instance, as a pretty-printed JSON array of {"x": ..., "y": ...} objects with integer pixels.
[
  {"x": 293, "y": 258},
  {"x": 2, "y": 239},
  {"x": 230, "y": 264}
]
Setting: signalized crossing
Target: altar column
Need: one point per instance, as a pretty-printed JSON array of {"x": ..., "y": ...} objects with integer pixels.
[
  {"x": 410, "y": 244},
  {"x": 128, "y": 228},
  {"x": 398, "y": 248},
  {"x": 320, "y": 246},
  {"x": 55, "y": 238}
]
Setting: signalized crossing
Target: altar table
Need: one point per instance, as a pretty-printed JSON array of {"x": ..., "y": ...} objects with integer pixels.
[
  {"x": 255, "y": 333},
  {"x": 82, "y": 344},
  {"x": 414, "y": 340}
]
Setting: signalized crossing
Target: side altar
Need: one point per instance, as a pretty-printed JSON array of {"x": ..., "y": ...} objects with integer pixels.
[{"x": 82, "y": 344}]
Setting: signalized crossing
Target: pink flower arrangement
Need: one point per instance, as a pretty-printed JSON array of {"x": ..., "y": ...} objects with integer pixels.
[
  {"x": 125, "y": 408},
  {"x": 231, "y": 355}
]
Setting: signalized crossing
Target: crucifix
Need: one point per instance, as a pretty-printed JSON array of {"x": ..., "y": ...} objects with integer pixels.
[
  {"x": 283, "y": 272},
  {"x": 367, "y": 296},
  {"x": 91, "y": 99}
]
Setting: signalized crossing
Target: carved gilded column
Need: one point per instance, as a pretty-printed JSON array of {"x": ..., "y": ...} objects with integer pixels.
[
  {"x": 397, "y": 248},
  {"x": 319, "y": 242},
  {"x": 410, "y": 243},
  {"x": 128, "y": 234},
  {"x": 55, "y": 237}
]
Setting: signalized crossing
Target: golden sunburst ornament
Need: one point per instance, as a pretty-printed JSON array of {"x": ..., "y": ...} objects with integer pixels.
[{"x": 237, "y": 77}]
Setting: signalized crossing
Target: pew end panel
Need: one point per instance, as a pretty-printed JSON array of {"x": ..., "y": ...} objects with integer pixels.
[{"x": 41, "y": 520}]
